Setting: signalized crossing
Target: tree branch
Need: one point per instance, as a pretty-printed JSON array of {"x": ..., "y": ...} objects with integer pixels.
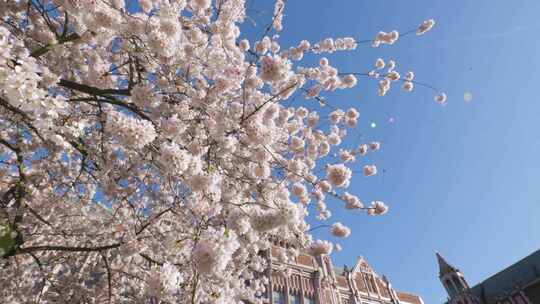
[
  {"x": 92, "y": 90},
  {"x": 109, "y": 277},
  {"x": 67, "y": 248}
]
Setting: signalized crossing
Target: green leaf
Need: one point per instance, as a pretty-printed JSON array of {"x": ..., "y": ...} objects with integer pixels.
[{"x": 7, "y": 239}]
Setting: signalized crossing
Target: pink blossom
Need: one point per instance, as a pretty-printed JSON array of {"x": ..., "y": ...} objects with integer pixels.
[
  {"x": 375, "y": 145},
  {"x": 370, "y": 170},
  {"x": 338, "y": 175},
  {"x": 377, "y": 208},
  {"x": 166, "y": 137},
  {"x": 379, "y": 64},
  {"x": 363, "y": 149},
  {"x": 274, "y": 69},
  {"x": 340, "y": 230},
  {"x": 425, "y": 26},
  {"x": 320, "y": 247},
  {"x": 352, "y": 201},
  {"x": 407, "y": 86},
  {"x": 441, "y": 98}
]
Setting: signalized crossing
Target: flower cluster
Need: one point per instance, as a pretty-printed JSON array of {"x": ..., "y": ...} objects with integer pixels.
[
  {"x": 425, "y": 27},
  {"x": 385, "y": 38},
  {"x": 370, "y": 170},
  {"x": 212, "y": 253},
  {"x": 377, "y": 208},
  {"x": 339, "y": 175},
  {"x": 150, "y": 153},
  {"x": 319, "y": 247},
  {"x": 340, "y": 230},
  {"x": 130, "y": 131},
  {"x": 352, "y": 201},
  {"x": 330, "y": 45},
  {"x": 441, "y": 98}
]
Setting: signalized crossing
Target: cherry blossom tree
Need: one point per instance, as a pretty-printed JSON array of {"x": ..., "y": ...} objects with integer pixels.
[{"x": 148, "y": 156}]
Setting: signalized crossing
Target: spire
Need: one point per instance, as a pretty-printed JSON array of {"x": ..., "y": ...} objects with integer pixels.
[
  {"x": 444, "y": 267},
  {"x": 454, "y": 282}
]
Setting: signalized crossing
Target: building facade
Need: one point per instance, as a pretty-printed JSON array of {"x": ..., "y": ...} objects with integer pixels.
[
  {"x": 315, "y": 280},
  {"x": 517, "y": 284}
]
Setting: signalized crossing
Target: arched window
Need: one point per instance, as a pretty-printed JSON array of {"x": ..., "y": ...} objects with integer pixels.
[
  {"x": 309, "y": 300},
  {"x": 372, "y": 281},
  {"x": 278, "y": 297},
  {"x": 294, "y": 299},
  {"x": 451, "y": 287},
  {"x": 459, "y": 284},
  {"x": 518, "y": 298}
]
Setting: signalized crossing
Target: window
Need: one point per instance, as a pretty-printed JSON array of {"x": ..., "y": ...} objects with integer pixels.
[
  {"x": 451, "y": 287},
  {"x": 458, "y": 284},
  {"x": 309, "y": 300},
  {"x": 519, "y": 299},
  {"x": 278, "y": 297},
  {"x": 370, "y": 283},
  {"x": 295, "y": 299}
]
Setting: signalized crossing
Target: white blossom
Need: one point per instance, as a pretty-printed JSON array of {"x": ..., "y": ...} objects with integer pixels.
[
  {"x": 320, "y": 247},
  {"x": 274, "y": 68},
  {"x": 340, "y": 230},
  {"x": 377, "y": 208},
  {"x": 338, "y": 175},
  {"x": 363, "y": 149},
  {"x": 352, "y": 201},
  {"x": 379, "y": 64},
  {"x": 385, "y": 38},
  {"x": 407, "y": 86},
  {"x": 169, "y": 148},
  {"x": 409, "y": 76},
  {"x": 374, "y": 145},
  {"x": 212, "y": 254},
  {"x": 441, "y": 98},
  {"x": 369, "y": 170},
  {"x": 425, "y": 26}
]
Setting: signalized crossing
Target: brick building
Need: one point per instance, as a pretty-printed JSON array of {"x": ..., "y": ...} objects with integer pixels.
[
  {"x": 517, "y": 284},
  {"x": 315, "y": 280}
]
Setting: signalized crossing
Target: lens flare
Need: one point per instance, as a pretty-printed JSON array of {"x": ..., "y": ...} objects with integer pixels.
[{"x": 467, "y": 97}]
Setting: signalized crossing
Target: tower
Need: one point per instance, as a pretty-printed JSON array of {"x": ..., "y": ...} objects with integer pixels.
[{"x": 455, "y": 284}]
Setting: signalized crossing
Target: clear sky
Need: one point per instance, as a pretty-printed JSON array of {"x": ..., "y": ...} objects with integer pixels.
[{"x": 461, "y": 179}]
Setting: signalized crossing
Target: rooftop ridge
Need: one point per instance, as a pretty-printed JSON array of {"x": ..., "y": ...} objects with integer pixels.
[{"x": 511, "y": 266}]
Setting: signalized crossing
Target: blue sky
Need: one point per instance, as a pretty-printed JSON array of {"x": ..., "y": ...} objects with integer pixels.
[{"x": 461, "y": 179}]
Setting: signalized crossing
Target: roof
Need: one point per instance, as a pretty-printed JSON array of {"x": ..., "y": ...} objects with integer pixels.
[
  {"x": 503, "y": 282},
  {"x": 409, "y": 298},
  {"x": 362, "y": 266}
]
